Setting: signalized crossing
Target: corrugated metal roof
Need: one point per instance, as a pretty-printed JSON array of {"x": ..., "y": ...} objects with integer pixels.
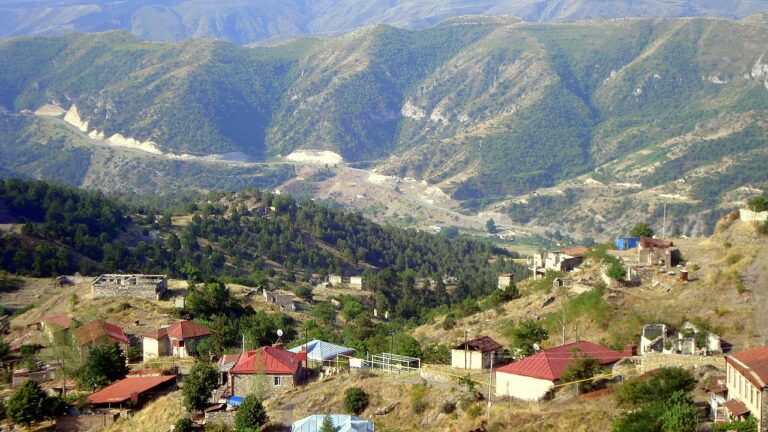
[
  {"x": 122, "y": 390},
  {"x": 268, "y": 360},
  {"x": 60, "y": 319},
  {"x": 319, "y": 350},
  {"x": 483, "y": 344},
  {"x": 736, "y": 408},
  {"x": 551, "y": 364},
  {"x": 94, "y": 331},
  {"x": 180, "y": 330},
  {"x": 345, "y": 423}
]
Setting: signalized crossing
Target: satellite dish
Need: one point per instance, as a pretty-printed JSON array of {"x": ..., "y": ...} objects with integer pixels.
[
  {"x": 536, "y": 347},
  {"x": 279, "y": 332}
]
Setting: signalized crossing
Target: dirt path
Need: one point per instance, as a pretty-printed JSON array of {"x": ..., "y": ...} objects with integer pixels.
[{"x": 756, "y": 280}]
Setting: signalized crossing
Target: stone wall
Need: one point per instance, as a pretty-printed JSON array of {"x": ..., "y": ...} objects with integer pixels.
[
  {"x": 220, "y": 417},
  {"x": 245, "y": 384},
  {"x": 653, "y": 361},
  {"x": 79, "y": 423},
  {"x": 147, "y": 287}
]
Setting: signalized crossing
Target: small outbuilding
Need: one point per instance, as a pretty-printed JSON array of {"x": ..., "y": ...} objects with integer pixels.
[
  {"x": 133, "y": 391},
  {"x": 475, "y": 353},
  {"x": 101, "y": 332},
  {"x": 321, "y": 352}
]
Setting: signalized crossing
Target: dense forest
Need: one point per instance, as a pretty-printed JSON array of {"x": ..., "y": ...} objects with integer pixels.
[{"x": 247, "y": 237}]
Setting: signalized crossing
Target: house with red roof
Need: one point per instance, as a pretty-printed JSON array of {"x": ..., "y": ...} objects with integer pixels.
[
  {"x": 746, "y": 381},
  {"x": 267, "y": 368},
  {"x": 59, "y": 321},
  {"x": 133, "y": 390},
  {"x": 177, "y": 340},
  {"x": 533, "y": 377},
  {"x": 101, "y": 332}
]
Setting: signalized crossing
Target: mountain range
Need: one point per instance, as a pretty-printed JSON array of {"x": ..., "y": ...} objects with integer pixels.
[
  {"x": 244, "y": 21},
  {"x": 486, "y": 108}
]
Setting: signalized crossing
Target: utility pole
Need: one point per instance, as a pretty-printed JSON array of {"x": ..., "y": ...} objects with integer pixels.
[
  {"x": 664, "y": 223},
  {"x": 490, "y": 382},
  {"x": 563, "y": 301},
  {"x": 465, "y": 349}
]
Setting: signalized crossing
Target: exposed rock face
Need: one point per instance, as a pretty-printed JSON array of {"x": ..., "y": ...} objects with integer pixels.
[
  {"x": 73, "y": 117},
  {"x": 120, "y": 141},
  {"x": 412, "y": 111}
]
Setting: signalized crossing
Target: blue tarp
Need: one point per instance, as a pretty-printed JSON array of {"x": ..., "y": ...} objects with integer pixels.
[
  {"x": 235, "y": 400},
  {"x": 626, "y": 243}
]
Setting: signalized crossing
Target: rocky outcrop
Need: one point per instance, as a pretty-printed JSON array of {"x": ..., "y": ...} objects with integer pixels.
[
  {"x": 412, "y": 111},
  {"x": 73, "y": 117}
]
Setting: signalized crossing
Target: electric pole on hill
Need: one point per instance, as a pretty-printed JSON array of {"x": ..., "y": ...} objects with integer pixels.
[{"x": 560, "y": 287}]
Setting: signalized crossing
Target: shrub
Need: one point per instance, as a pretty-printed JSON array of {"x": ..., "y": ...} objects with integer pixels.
[
  {"x": 616, "y": 271},
  {"x": 355, "y": 400},
  {"x": 734, "y": 258},
  {"x": 474, "y": 411},
  {"x": 251, "y": 414},
  {"x": 448, "y": 407},
  {"x": 183, "y": 425},
  {"x": 418, "y": 398},
  {"x": 200, "y": 382},
  {"x": 641, "y": 230},
  {"x": 449, "y": 322}
]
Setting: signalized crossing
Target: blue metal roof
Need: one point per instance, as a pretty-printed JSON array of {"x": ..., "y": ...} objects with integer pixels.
[
  {"x": 345, "y": 423},
  {"x": 319, "y": 351},
  {"x": 235, "y": 400}
]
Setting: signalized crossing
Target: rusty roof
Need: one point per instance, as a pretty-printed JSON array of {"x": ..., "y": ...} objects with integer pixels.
[
  {"x": 100, "y": 330},
  {"x": 483, "y": 344},
  {"x": 122, "y": 390},
  {"x": 652, "y": 243},
  {"x": 551, "y": 364},
  {"x": 753, "y": 364},
  {"x": 60, "y": 319},
  {"x": 736, "y": 407},
  {"x": 181, "y": 330},
  {"x": 576, "y": 251}
]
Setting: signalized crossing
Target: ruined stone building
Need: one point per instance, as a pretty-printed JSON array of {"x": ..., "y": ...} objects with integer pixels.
[{"x": 147, "y": 287}]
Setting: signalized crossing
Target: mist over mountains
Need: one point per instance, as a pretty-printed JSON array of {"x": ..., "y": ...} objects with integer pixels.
[{"x": 244, "y": 22}]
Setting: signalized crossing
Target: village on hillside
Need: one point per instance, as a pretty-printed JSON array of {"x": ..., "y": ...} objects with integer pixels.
[{"x": 138, "y": 360}]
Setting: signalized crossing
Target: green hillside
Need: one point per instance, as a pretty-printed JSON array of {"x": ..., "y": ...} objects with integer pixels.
[{"x": 485, "y": 107}]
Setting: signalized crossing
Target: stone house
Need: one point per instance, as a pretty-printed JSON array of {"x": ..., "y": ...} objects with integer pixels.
[
  {"x": 356, "y": 282},
  {"x": 747, "y": 388},
  {"x": 270, "y": 369},
  {"x": 476, "y": 353},
  {"x": 688, "y": 340},
  {"x": 334, "y": 279},
  {"x": 284, "y": 302},
  {"x": 655, "y": 252},
  {"x": 564, "y": 260},
  {"x": 177, "y": 340},
  {"x": 147, "y": 287}
]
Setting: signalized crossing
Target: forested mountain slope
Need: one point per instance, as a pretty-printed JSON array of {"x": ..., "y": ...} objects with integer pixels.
[
  {"x": 243, "y": 21},
  {"x": 62, "y": 230},
  {"x": 486, "y": 107}
]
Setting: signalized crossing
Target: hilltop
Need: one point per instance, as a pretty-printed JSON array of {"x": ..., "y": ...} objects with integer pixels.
[
  {"x": 248, "y": 22},
  {"x": 604, "y": 118}
]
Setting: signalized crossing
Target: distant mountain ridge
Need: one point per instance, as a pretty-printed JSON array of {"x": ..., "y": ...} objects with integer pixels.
[
  {"x": 485, "y": 108},
  {"x": 244, "y": 22}
]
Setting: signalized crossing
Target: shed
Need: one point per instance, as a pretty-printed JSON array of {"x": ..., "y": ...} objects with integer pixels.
[
  {"x": 475, "y": 353},
  {"x": 626, "y": 243},
  {"x": 134, "y": 390},
  {"x": 342, "y": 423},
  {"x": 320, "y": 351}
]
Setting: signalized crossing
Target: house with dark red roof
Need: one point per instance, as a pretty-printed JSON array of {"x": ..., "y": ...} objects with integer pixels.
[
  {"x": 177, "y": 340},
  {"x": 269, "y": 368},
  {"x": 475, "y": 353},
  {"x": 101, "y": 332},
  {"x": 534, "y": 377},
  {"x": 134, "y": 391},
  {"x": 746, "y": 381},
  {"x": 51, "y": 323}
]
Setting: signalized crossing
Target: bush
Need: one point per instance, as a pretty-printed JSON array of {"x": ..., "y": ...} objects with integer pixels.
[
  {"x": 183, "y": 425},
  {"x": 525, "y": 335},
  {"x": 616, "y": 272},
  {"x": 103, "y": 365},
  {"x": 202, "y": 379},
  {"x": 474, "y": 411},
  {"x": 251, "y": 414},
  {"x": 418, "y": 398},
  {"x": 355, "y": 400},
  {"x": 448, "y": 407},
  {"x": 641, "y": 230},
  {"x": 30, "y": 403}
]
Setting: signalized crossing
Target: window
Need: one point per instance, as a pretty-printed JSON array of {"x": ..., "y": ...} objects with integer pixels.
[{"x": 278, "y": 381}]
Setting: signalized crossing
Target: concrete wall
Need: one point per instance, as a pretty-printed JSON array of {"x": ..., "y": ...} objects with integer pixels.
[
  {"x": 522, "y": 387},
  {"x": 154, "y": 348},
  {"x": 474, "y": 359},
  {"x": 81, "y": 423},
  {"x": 108, "y": 286}
]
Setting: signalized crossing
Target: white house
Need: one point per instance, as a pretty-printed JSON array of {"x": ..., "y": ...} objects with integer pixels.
[{"x": 534, "y": 377}]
